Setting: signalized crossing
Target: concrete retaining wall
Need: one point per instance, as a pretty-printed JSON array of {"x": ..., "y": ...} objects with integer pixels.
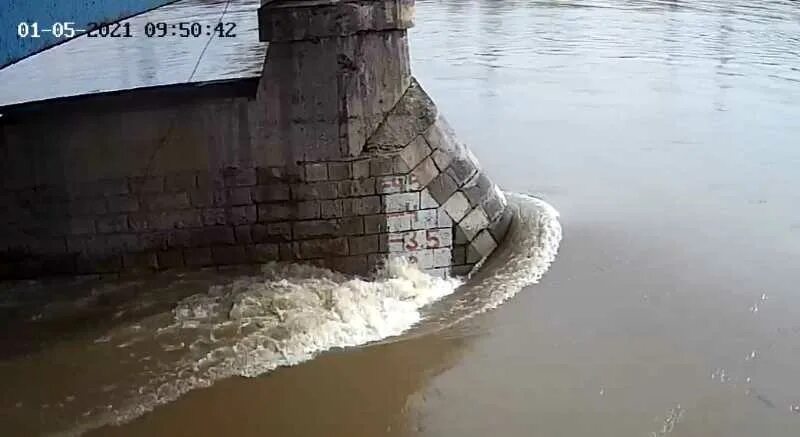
[{"x": 339, "y": 158}]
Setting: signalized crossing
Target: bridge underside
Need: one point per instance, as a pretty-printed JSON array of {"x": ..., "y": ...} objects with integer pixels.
[{"x": 88, "y": 66}]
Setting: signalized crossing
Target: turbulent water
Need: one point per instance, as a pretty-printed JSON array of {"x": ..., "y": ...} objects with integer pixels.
[{"x": 281, "y": 315}]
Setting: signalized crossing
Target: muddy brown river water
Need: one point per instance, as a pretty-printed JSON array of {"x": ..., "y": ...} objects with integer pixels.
[{"x": 666, "y": 135}]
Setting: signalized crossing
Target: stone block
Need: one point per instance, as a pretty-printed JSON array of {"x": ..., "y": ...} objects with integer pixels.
[
  {"x": 477, "y": 189},
  {"x": 459, "y": 255},
  {"x": 227, "y": 255},
  {"x": 442, "y": 159},
  {"x": 331, "y": 209},
  {"x": 443, "y": 219},
  {"x": 145, "y": 185},
  {"x": 241, "y": 215},
  {"x": 442, "y": 257},
  {"x": 356, "y": 188},
  {"x": 427, "y": 201},
  {"x": 461, "y": 270},
  {"x": 316, "y": 171},
  {"x": 272, "y": 232},
  {"x": 239, "y": 196},
  {"x": 325, "y": 247},
  {"x": 170, "y": 259},
  {"x": 80, "y": 226},
  {"x": 494, "y": 204},
  {"x": 331, "y": 227},
  {"x": 499, "y": 228},
  {"x": 50, "y": 193},
  {"x": 415, "y": 152},
  {"x": 112, "y": 224},
  {"x": 271, "y": 193},
  {"x": 400, "y": 166},
  {"x": 338, "y": 171},
  {"x": 179, "y": 238},
  {"x": 120, "y": 243},
  {"x": 392, "y": 184},
  {"x": 439, "y": 272},
  {"x": 165, "y": 201},
  {"x": 184, "y": 181},
  {"x": 98, "y": 264},
  {"x": 198, "y": 257},
  {"x": 81, "y": 207},
  {"x": 442, "y": 188},
  {"x": 408, "y": 241},
  {"x": 309, "y": 209},
  {"x": 263, "y": 252},
  {"x": 140, "y": 261},
  {"x": 269, "y": 175},
  {"x": 213, "y": 235},
  {"x": 424, "y": 219},
  {"x": 354, "y": 265},
  {"x": 209, "y": 180},
  {"x": 456, "y": 206},
  {"x": 397, "y": 222},
  {"x": 315, "y": 228},
  {"x": 239, "y": 177},
  {"x": 280, "y": 22},
  {"x": 187, "y": 218},
  {"x": 375, "y": 224},
  {"x": 484, "y": 244},
  {"x": 203, "y": 198},
  {"x": 153, "y": 241},
  {"x": 381, "y": 166},
  {"x": 214, "y": 216},
  {"x": 361, "y": 206},
  {"x": 462, "y": 169},
  {"x": 401, "y": 202},
  {"x": 442, "y": 136},
  {"x": 243, "y": 234},
  {"x": 437, "y": 238},
  {"x": 361, "y": 168},
  {"x": 48, "y": 246},
  {"x": 424, "y": 173},
  {"x": 474, "y": 222},
  {"x": 105, "y": 188},
  {"x": 364, "y": 244},
  {"x": 289, "y": 251},
  {"x": 411, "y": 116},
  {"x": 121, "y": 204},
  {"x": 422, "y": 259},
  {"x": 275, "y": 212},
  {"x": 316, "y": 190}
]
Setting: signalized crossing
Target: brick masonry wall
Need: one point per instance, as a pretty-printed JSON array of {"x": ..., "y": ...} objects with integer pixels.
[
  {"x": 425, "y": 199},
  {"x": 420, "y": 192}
]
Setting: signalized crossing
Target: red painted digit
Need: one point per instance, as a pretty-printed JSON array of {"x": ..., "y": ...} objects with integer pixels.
[{"x": 433, "y": 240}]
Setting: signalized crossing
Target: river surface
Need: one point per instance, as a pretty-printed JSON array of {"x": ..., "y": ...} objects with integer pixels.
[{"x": 665, "y": 133}]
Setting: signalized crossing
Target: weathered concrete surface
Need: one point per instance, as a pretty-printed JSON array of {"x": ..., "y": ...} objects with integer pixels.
[{"x": 339, "y": 158}]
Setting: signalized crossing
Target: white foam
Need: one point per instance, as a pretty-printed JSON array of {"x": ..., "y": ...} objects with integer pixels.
[
  {"x": 529, "y": 248},
  {"x": 283, "y": 317}
]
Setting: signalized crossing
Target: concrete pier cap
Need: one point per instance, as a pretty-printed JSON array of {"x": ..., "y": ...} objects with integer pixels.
[{"x": 336, "y": 156}]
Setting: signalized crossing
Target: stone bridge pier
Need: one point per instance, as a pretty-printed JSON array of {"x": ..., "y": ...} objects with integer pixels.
[{"x": 336, "y": 156}]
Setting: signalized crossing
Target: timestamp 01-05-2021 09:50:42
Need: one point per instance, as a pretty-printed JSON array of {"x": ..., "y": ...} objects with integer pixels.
[{"x": 183, "y": 29}]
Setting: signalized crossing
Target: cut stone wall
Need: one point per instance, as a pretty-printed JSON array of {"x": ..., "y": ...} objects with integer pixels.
[{"x": 341, "y": 160}]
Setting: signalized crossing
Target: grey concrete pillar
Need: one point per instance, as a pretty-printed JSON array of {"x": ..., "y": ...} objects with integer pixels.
[
  {"x": 339, "y": 94},
  {"x": 334, "y": 69}
]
